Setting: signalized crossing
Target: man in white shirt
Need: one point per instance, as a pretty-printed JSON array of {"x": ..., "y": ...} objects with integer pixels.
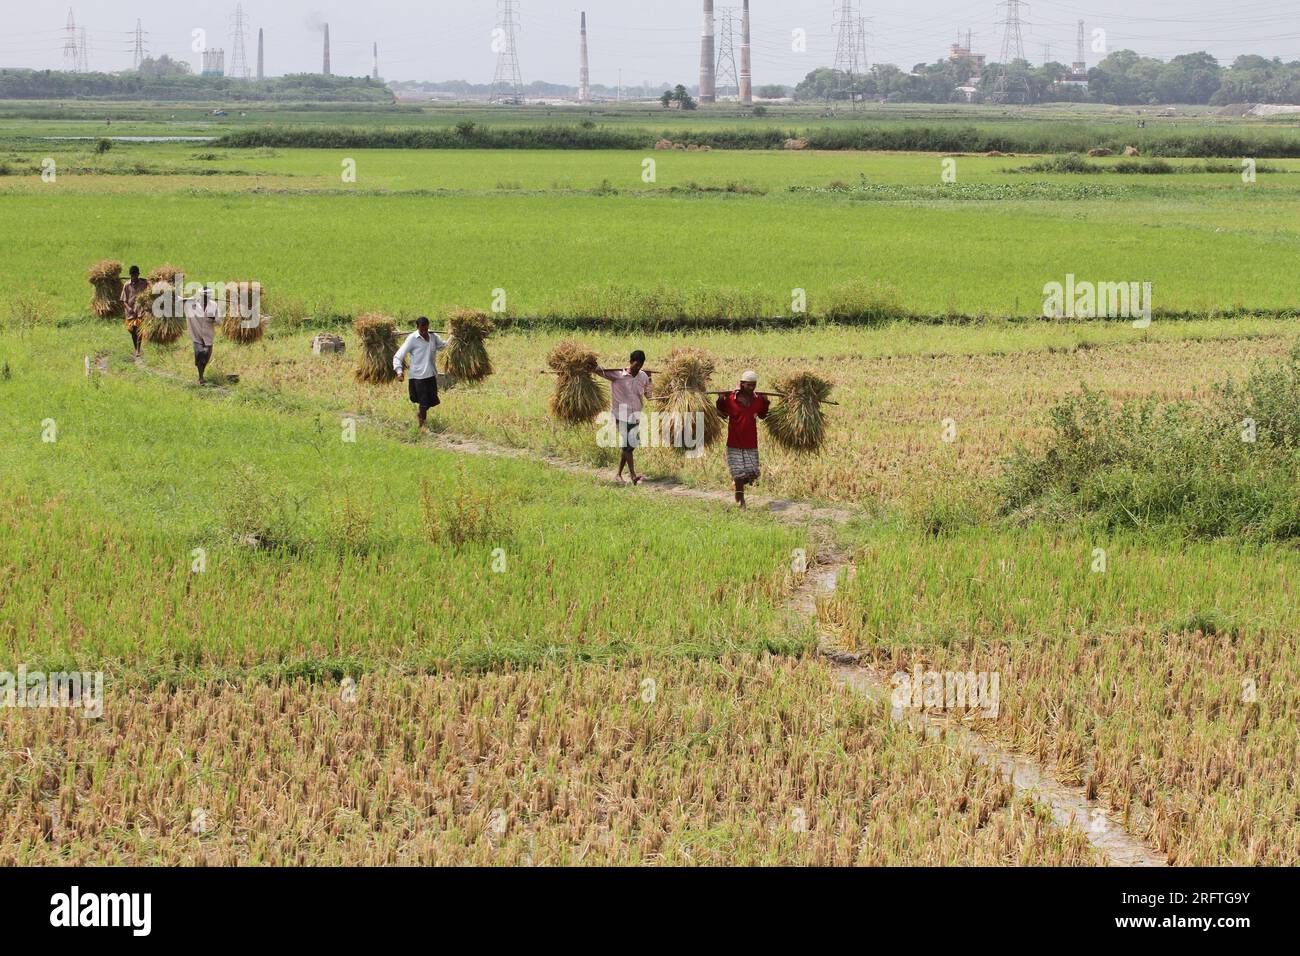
[
  {"x": 201, "y": 319},
  {"x": 423, "y": 347},
  {"x": 627, "y": 388}
]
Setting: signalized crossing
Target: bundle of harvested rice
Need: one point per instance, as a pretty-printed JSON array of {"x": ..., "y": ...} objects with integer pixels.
[
  {"x": 797, "y": 421},
  {"x": 106, "y": 278},
  {"x": 684, "y": 406},
  {"x": 245, "y": 308},
  {"x": 378, "y": 337},
  {"x": 166, "y": 323},
  {"x": 465, "y": 357},
  {"x": 165, "y": 273},
  {"x": 578, "y": 397}
]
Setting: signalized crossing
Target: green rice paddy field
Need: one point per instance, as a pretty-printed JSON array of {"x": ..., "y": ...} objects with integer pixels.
[
  {"x": 398, "y": 653},
  {"x": 581, "y": 234}
]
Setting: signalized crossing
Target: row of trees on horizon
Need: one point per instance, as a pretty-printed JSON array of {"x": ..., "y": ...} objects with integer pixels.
[{"x": 1122, "y": 78}]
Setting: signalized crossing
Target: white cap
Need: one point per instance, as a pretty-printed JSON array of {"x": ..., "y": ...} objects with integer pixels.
[{"x": 749, "y": 376}]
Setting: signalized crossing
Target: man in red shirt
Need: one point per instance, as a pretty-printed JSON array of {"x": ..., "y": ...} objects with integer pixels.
[{"x": 741, "y": 409}]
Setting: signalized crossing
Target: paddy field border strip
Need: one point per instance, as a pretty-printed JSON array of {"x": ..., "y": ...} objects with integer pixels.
[{"x": 1068, "y": 805}]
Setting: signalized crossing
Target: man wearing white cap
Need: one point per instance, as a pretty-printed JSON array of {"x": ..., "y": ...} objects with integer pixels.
[{"x": 742, "y": 408}]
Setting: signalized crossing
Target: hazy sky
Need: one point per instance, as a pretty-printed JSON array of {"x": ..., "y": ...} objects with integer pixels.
[{"x": 652, "y": 40}]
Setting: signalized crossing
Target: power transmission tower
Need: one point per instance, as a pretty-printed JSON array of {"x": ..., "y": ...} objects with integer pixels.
[
  {"x": 70, "y": 55},
  {"x": 238, "y": 57},
  {"x": 1006, "y": 88},
  {"x": 726, "y": 66},
  {"x": 507, "y": 83},
  {"x": 845, "y": 66},
  {"x": 860, "y": 48},
  {"x": 83, "y": 52},
  {"x": 1047, "y": 53},
  {"x": 137, "y": 53},
  {"x": 1079, "y": 68}
]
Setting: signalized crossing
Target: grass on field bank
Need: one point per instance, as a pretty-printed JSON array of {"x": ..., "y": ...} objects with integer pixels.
[{"x": 1228, "y": 466}]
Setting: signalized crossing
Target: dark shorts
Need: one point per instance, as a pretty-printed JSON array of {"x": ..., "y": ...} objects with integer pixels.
[
  {"x": 629, "y": 434},
  {"x": 202, "y": 354},
  {"x": 423, "y": 392}
]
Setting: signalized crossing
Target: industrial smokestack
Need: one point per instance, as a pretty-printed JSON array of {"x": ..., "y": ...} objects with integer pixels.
[
  {"x": 375, "y": 73},
  {"x": 261, "y": 74},
  {"x": 584, "y": 74},
  {"x": 746, "y": 74},
  {"x": 326, "y": 68},
  {"x": 708, "y": 85}
]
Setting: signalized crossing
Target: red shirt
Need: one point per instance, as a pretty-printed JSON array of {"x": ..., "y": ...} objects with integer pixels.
[{"x": 742, "y": 429}]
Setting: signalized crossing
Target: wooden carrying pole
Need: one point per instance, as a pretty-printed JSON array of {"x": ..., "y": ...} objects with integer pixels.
[{"x": 824, "y": 401}]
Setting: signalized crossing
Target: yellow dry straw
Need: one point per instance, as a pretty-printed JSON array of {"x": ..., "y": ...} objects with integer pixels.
[
  {"x": 797, "y": 421},
  {"x": 681, "y": 390},
  {"x": 237, "y": 323},
  {"x": 164, "y": 329},
  {"x": 578, "y": 396},
  {"x": 378, "y": 337},
  {"x": 466, "y": 357},
  {"x": 165, "y": 273},
  {"x": 106, "y": 279}
]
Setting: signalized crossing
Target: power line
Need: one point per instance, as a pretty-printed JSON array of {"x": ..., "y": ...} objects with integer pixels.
[
  {"x": 860, "y": 48},
  {"x": 507, "y": 82},
  {"x": 845, "y": 27},
  {"x": 726, "y": 66},
  {"x": 138, "y": 52},
  {"x": 238, "y": 56},
  {"x": 1008, "y": 88},
  {"x": 70, "y": 56}
]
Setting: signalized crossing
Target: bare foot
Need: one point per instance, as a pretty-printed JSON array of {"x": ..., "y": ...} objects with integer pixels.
[{"x": 636, "y": 479}]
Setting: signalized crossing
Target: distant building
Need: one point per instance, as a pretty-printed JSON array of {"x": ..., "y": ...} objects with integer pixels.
[
  {"x": 960, "y": 52},
  {"x": 214, "y": 62}
]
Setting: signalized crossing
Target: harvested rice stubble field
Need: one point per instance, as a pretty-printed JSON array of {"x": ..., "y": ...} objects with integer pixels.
[
  {"x": 1104, "y": 676},
  {"x": 464, "y": 741}
]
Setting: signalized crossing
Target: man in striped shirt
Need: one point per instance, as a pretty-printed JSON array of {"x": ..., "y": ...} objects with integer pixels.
[{"x": 627, "y": 389}]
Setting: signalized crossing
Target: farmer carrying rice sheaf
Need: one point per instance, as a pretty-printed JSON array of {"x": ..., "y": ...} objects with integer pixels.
[
  {"x": 627, "y": 390},
  {"x": 201, "y": 316},
  {"x": 741, "y": 409},
  {"x": 134, "y": 314},
  {"x": 423, "y": 347}
]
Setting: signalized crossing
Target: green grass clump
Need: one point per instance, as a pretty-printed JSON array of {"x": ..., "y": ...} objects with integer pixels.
[{"x": 1226, "y": 468}]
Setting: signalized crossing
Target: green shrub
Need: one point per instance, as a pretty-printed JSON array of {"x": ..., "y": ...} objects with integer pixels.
[{"x": 1230, "y": 467}]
